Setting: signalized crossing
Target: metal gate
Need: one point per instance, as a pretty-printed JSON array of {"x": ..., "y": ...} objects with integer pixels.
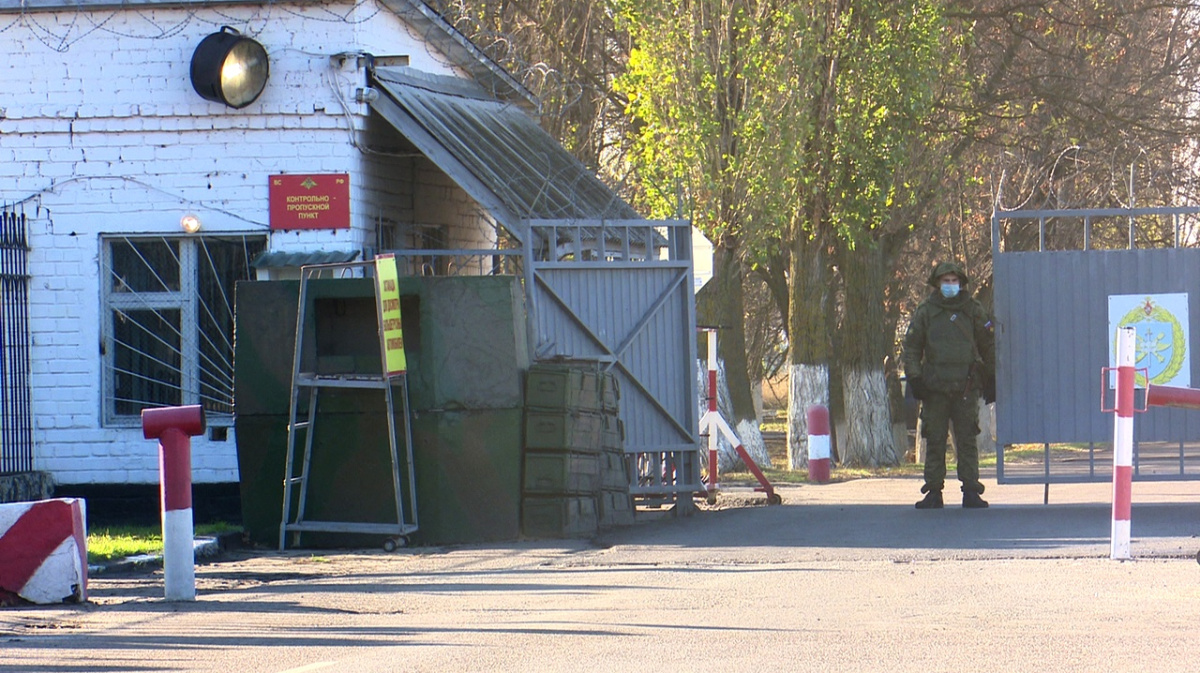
[
  {"x": 620, "y": 293},
  {"x": 16, "y": 417},
  {"x": 1056, "y": 275}
]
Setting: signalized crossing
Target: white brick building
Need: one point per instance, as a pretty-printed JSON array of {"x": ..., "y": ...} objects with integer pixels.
[{"x": 105, "y": 146}]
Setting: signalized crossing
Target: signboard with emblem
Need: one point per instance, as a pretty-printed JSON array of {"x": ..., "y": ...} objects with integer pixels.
[
  {"x": 316, "y": 201},
  {"x": 1162, "y": 342}
]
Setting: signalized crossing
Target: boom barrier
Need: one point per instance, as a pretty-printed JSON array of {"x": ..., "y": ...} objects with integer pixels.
[{"x": 1125, "y": 408}]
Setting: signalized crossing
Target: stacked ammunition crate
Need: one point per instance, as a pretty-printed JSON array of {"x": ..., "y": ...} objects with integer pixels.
[{"x": 575, "y": 476}]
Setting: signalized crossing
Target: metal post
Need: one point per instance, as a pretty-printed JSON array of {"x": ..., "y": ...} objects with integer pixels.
[
  {"x": 713, "y": 485},
  {"x": 1123, "y": 445}
]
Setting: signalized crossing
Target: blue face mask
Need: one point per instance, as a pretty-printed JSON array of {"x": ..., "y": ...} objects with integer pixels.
[{"x": 949, "y": 290}]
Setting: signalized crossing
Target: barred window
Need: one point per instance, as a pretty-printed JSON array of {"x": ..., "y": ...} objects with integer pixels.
[{"x": 168, "y": 322}]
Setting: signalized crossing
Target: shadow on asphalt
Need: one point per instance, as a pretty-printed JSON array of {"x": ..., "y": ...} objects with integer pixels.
[{"x": 1034, "y": 528}]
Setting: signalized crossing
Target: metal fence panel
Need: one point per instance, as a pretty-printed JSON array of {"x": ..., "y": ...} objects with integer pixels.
[
  {"x": 1052, "y": 318},
  {"x": 16, "y": 416}
]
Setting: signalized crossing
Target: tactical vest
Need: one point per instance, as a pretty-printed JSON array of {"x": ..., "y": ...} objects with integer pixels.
[{"x": 949, "y": 346}]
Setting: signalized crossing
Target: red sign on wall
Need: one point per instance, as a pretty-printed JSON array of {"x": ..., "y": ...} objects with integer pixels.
[{"x": 310, "y": 201}]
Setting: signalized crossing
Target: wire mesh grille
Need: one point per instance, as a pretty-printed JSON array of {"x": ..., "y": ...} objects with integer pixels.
[{"x": 169, "y": 321}]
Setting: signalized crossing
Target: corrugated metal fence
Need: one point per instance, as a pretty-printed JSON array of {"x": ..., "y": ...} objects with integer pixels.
[
  {"x": 16, "y": 418},
  {"x": 1052, "y": 339}
]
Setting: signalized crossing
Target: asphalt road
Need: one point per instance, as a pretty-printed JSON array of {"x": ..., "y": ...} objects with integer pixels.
[{"x": 841, "y": 577}]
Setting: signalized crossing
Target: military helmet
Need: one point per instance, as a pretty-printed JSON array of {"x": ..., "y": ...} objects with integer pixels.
[{"x": 942, "y": 268}]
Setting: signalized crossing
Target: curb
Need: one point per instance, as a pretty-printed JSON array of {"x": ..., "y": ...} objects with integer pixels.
[{"x": 207, "y": 547}]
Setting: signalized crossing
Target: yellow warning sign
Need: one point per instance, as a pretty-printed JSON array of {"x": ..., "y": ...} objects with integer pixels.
[{"x": 386, "y": 276}]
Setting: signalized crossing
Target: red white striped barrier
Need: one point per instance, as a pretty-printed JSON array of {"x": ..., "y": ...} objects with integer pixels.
[
  {"x": 1123, "y": 445},
  {"x": 43, "y": 551},
  {"x": 712, "y": 423},
  {"x": 1172, "y": 396},
  {"x": 174, "y": 427},
  {"x": 818, "y": 443}
]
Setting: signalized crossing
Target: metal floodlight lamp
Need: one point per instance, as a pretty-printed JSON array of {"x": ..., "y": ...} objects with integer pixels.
[{"x": 230, "y": 69}]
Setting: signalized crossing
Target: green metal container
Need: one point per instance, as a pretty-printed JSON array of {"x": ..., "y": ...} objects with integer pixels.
[
  {"x": 616, "y": 508},
  {"x": 465, "y": 387},
  {"x": 562, "y": 387},
  {"x": 614, "y": 471},
  {"x": 562, "y": 430},
  {"x": 562, "y": 473},
  {"x": 559, "y": 516},
  {"x": 468, "y": 475}
]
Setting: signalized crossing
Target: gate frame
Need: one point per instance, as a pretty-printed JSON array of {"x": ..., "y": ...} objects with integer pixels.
[
  {"x": 1087, "y": 215},
  {"x": 667, "y": 470}
]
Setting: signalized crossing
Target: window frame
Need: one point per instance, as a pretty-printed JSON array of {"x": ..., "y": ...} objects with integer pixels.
[{"x": 186, "y": 300}]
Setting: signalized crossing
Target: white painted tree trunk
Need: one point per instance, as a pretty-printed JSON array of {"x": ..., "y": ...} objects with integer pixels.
[
  {"x": 869, "y": 438},
  {"x": 807, "y": 385},
  {"x": 986, "y": 441},
  {"x": 749, "y": 431}
]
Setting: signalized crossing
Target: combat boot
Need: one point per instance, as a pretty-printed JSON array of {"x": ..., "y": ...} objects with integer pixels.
[
  {"x": 932, "y": 500},
  {"x": 971, "y": 500}
]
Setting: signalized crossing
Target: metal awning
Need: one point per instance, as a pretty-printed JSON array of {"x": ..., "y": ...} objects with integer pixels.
[{"x": 493, "y": 150}]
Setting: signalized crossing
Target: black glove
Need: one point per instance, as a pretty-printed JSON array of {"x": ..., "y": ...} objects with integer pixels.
[
  {"x": 987, "y": 389},
  {"x": 917, "y": 386}
]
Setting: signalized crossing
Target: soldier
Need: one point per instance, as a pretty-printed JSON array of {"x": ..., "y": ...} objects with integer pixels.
[{"x": 949, "y": 356}]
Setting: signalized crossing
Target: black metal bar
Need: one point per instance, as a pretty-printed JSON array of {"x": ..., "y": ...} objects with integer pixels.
[
  {"x": 9, "y": 452},
  {"x": 16, "y": 433}
]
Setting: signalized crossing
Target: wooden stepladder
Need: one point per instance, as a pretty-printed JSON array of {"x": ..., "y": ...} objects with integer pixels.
[{"x": 303, "y": 409}]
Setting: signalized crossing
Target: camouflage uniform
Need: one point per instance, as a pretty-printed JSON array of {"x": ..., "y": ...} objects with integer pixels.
[{"x": 949, "y": 350}]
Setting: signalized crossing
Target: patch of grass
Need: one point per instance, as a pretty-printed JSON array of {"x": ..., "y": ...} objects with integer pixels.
[
  {"x": 116, "y": 542},
  {"x": 774, "y": 426},
  {"x": 1035, "y": 453}
]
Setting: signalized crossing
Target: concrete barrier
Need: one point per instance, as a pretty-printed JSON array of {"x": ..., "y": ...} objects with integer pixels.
[{"x": 43, "y": 551}]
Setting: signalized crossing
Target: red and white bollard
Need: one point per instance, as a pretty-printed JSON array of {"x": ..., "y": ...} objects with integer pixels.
[
  {"x": 174, "y": 427},
  {"x": 818, "y": 443},
  {"x": 1123, "y": 445},
  {"x": 713, "y": 485}
]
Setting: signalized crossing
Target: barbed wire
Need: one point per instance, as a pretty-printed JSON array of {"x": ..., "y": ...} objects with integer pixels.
[
  {"x": 36, "y": 196},
  {"x": 544, "y": 80},
  {"x": 61, "y": 29}
]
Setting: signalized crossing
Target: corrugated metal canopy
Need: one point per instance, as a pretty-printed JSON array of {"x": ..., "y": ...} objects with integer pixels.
[{"x": 495, "y": 151}]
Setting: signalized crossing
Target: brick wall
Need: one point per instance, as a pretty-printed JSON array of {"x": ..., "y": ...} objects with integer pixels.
[{"x": 107, "y": 136}]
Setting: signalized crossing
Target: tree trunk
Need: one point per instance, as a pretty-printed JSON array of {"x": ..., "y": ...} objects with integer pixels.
[
  {"x": 871, "y": 441},
  {"x": 864, "y": 348},
  {"x": 731, "y": 349},
  {"x": 808, "y": 352}
]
